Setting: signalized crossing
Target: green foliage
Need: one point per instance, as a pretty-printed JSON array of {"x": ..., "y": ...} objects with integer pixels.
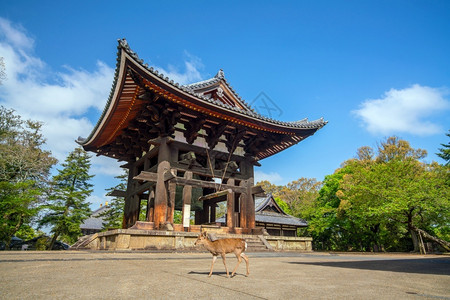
[
  {"x": 178, "y": 217},
  {"x": 17, "y": 206},
  {"x": 67, "y": 207},
  {"x": 26, "y": 232},
  {"x": 113, "y": 217},
  {"x": 24, "y": 171},
  {"x": 374, "y": 203},
  {"x": 444, "y": 153},
  {"x": 42, "y": 243},
  {"x": 298, "y": 196},
  {"x": 270, "y": 188},
  {"x": 21, "y": 156},
  {"x": 283, "y": 205}
]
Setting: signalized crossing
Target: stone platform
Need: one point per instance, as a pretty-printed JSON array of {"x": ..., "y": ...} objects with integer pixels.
[{"x": 139, "y": 239}]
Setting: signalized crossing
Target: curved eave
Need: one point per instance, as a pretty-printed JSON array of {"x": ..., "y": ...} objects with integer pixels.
[
  {"x": 267, "y": 202},
  {"x": 123, "y": 104}
]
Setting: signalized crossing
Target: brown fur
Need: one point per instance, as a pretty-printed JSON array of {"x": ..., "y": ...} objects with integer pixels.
[{"x": 222, "y": 247}]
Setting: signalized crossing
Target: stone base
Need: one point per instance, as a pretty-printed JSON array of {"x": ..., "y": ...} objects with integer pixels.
[
  {"x": 285, "y": 243},
  {"x": 138, "y": 239}
]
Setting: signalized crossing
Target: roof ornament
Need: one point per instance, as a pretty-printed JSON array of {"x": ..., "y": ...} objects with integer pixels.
[
  {"x": 123, "y": 43},
  {"x": 220, "y": 74},
  {"x": 219, "y": 92}
]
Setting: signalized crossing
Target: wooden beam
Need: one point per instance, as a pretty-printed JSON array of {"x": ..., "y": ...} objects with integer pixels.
[
  {"x": 143, "y": 187},
  {"x": 215, "y": 195},
  {"x": 159, "y": 140},
  {"x": 207, "y": 171},
  {"x": 257, "y": 189},
  {"x": 207, "y": 184},
  {"x": 169, "y": 175},
  {"x": 153, "y": 177},
  {"x": 149, "y": 176},
  {"x": 117, "y": 193}
]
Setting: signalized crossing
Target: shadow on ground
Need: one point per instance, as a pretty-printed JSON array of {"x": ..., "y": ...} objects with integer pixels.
[{"x": 436, "y": 266}]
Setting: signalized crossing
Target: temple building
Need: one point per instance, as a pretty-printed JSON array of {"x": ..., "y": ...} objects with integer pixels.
[
  {"x": 94, "y": 223},
  {"x": 186, "y": 147},
  {"x": 275, "y": 221}
]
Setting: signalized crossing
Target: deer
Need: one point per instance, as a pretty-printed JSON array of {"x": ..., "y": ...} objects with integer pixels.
[{"x": 223, "y": 247}]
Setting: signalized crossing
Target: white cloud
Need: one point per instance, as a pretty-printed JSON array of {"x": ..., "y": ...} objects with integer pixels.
[
  {"x": 15, "y": 36},
  {"x": 106, "y": 165},
  {"x": 191, "y": 74},
  {"x": 63, "y": 102},
  {"x": 60, "y": 106},
  {"x": 272, "y": 177},
  {"x": 404, "y": 111}
]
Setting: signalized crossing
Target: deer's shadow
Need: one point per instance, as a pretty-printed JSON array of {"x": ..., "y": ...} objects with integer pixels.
[{"x": 221, "y": 274}]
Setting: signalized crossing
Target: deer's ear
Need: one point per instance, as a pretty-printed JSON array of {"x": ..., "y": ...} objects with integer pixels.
[{"x": 204, "y": 233}]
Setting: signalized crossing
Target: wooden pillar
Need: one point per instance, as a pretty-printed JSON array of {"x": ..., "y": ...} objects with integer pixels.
[
  {"x": 172, "y": 194},
  {"x": 150, "y": 206},
  {"x": 212, "y": 216},
  {"x": 136, "y": 209},
  {"x": 164, "y": 152},
  {"x": 243, "y": 207},
  {"x": 250, "y": 205},
  {"x": 161, "y": 189},
  {"x": 160, "y": 212},
  {"x": 204, "y": 213},
  {"x": 230, "y": 206},
  {"x": 198, "y": 217},
  {"x": 132, "y": 201},
  {"x": 187, "y": 198},
  {"x": 126, "y": 208}
]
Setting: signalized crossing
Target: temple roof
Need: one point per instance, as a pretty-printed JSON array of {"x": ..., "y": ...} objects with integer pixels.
[
  {"x": 213, "y": 98},
  {"x": 95, "y": 221},
  {"x": 268, "y": 211}
]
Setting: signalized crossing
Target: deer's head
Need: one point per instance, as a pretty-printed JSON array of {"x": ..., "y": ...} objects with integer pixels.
[{"x": 201, "y": 239}]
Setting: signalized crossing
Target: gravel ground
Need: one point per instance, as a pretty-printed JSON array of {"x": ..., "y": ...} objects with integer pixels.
[{"x": 274, "y": 275}]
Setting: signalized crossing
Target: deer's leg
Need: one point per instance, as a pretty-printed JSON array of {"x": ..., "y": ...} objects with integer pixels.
[
  {"x": 225, "y": 263},
  {"x": 212, "y": 264},
  {"x": 238, "y": 256},
  {"x": 246, "y": 262}
]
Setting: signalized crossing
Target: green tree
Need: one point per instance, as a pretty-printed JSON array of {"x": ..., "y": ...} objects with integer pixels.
[
  {"x": 113, "y": 216},
  {"x": 397, "y": 194},
  {"x": 444, "y": 153},
  {"x": 270, "y": 188},
  {"x": 381, "y": 201},
  {"x": 24, "y": 172},
  {"x": 67, "y": 206},
  {"x": 329, "y": 222},
  {"x": 283, "y": 205},
  {"x": 300, "y": 195}
]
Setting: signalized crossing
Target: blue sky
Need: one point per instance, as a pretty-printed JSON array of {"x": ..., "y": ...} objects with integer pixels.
[{"x": 371, "y": 68}]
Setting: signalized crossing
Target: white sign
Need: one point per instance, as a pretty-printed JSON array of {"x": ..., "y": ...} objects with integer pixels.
[{"x": 186, "y": 215}]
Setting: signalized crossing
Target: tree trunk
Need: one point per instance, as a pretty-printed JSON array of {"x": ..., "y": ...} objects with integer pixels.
[
  {"x": 52, "y": 242},
  {"x": 444, "y": 244},
  {"x": 414, "y": 239}
]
